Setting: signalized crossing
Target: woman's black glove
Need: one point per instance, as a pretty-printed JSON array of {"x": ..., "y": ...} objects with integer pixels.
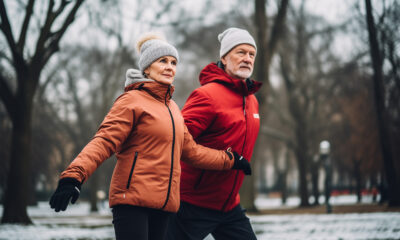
[
  {"x": 67, "y": 189},
  {"x": 240, "y": 163}
]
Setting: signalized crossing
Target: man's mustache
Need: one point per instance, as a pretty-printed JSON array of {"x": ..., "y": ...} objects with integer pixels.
[{"x": 245, "y": 65}]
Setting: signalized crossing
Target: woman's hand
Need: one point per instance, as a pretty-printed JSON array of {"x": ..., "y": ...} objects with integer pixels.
[
  {"x": 67, "y": 189},
  {"x": 240, "y": 163}
]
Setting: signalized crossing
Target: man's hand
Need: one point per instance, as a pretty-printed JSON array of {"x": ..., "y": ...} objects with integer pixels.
[
  {"x": 240, "y": 163},
  {"x": 68, "y": 189}
]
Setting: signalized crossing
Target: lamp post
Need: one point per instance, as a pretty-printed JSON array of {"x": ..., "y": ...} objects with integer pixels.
[{"x": 324, "y": 150}]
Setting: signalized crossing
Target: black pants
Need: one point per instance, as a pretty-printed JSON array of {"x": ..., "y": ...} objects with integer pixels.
[
  {"x": 139, "y": 223},
  {"x": 195, "y": 223}
]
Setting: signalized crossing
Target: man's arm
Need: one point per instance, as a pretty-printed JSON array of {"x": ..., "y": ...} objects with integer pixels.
[{"x": 198, "y": 112}]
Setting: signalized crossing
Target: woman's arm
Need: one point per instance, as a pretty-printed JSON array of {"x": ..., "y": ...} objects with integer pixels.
[{"x": 112, "y": 133}]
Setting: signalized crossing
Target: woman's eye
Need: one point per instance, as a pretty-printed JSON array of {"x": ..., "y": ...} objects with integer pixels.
[
  {"x": 173, "y": 63},
  {"x": 163, "y": 60}
]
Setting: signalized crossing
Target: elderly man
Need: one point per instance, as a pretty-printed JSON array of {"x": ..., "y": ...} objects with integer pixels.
[{"x": 222, "y": 113}]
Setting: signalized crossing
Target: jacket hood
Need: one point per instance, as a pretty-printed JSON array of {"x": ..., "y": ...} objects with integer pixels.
[
  {"x": 213, "y": 73},
  {"x": 135, "y": 76},
  {"x": 136, "y": 80}
]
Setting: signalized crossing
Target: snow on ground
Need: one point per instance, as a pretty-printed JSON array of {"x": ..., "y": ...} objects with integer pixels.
[
  {"x": 330, "y": 227},
  {"x": 263, "y": 202},
  {"x": 78, "y": 223}
]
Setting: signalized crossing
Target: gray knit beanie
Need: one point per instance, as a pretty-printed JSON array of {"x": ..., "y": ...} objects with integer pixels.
[
  {"x": 232, "y": 37},
  {"x": 151, "y": 47}
]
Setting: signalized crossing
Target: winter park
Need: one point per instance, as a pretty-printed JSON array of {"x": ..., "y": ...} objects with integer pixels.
[
  {"x": 79, "y": 223},
  {"x": 215, "y": 120}
]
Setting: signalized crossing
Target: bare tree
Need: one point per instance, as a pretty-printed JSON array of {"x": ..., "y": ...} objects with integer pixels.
[
  {"x": 27, "y": 70},
  {"x": 267, "y": 38},
  {"x": 392, "y": 166},
  {"x": 359, "y": 147},
  {"x": 306, "y": 66}
]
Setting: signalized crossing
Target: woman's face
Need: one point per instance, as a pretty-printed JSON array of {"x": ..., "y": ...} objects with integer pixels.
[{"x": 162, "y": 70}]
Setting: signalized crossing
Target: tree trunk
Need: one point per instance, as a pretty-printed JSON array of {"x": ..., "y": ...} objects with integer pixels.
[
  {"x": 265, "y": 51},
  {"x": 314, "y": 179},
  {"x": 16, "y": 194},
  {"x": 357, "y": 176},
  {"x": 301, "y": 149},
  {"x": 247, "y": 193},
  {"x": 94, "y": 182},
  {"x": 19, "y": 105},
  {"x": 262, "y": 177},
  {"x": 284, "y": 189},
  {"x": 383, "y": 120},
  {"x": 284, "y": 193},
  {"x": 302, "y": 166}
]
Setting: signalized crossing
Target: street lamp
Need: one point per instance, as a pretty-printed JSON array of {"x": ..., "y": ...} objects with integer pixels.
[{"x": 324, "y": 150}]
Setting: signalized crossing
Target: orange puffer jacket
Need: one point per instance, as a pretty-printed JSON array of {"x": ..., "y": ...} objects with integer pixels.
[{"x": 146, "y": 131}]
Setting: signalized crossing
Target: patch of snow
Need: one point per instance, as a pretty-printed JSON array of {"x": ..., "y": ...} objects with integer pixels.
[
  {"x": 264, "y": 202},
  {"x": 78, "y": 223}
]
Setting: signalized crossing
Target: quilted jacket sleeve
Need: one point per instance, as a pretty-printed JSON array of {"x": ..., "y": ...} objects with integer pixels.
[
  {"x": 198, "y": 112},
  {"x": 204, "y": 157},
  {"x": 111, "y": 134}
]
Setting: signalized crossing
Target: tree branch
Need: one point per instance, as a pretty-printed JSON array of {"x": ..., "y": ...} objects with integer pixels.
[
  {"x": 46, "y": 34},
  {"x": 45, "y": 30},
  {"x": 7, "y": 96},
  {"x": 6, "y": 29},
  {"x": 285, "y": 73},
  {"x": 77, "y": 103},
  {"x": 3, "y": 55},
  {"x": 24, "y": 29},
  {"x": 277, "y": 29},
  {"x": 53, "y": 45},
  {"x": 61, "y": 8},
  {"x": 277, "y": 109}
]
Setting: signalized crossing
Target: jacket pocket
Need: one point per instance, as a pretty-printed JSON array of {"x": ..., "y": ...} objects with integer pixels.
[
  {"x": 131, "y": 172},
  {"x": 197, "y": 184}
]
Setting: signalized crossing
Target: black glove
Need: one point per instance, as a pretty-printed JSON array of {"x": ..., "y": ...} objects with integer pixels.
[
  {"x": 67, "y": 189},
  {"x": 241, "y": 163}
]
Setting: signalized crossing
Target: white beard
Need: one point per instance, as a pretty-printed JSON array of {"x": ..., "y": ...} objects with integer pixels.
[{"x": 243, "y": 73}]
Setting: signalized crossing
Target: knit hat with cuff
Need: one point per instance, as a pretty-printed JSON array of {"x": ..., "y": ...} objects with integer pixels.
[
  {"x": 151, "y": 47},
  {"x": 232, "y": 37}
]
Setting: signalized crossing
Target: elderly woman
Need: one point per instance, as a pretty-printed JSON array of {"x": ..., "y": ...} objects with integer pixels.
[{"x": 146, "y": 131}]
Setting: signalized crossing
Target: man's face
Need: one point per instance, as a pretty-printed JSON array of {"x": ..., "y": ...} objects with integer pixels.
[{"x": 239, "y": 62}]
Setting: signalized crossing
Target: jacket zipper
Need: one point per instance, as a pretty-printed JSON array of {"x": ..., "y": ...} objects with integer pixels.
[
  {"x": 172, "y": 151},
  {"x": 244, "y": 142},
  {"x": 130, "y": 174}
]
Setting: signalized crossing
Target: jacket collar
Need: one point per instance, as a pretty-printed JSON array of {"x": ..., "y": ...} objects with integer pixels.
[
  {"x": 159, "y": 91},
  {"x": 213, "y": 73}
]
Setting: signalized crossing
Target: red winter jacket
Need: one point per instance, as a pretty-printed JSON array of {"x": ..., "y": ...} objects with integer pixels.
[{"x": 221, "y": 113}]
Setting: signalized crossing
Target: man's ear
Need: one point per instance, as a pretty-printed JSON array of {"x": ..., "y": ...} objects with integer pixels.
[{"x": 223, "y": 60}]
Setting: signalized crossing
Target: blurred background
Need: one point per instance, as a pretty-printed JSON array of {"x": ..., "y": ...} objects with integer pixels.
[{"x": 329, "y": 105}]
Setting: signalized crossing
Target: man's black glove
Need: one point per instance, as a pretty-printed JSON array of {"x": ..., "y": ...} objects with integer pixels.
[
  {"x": 241, "y": 163},
  {"x": 67, "y": 189}
]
